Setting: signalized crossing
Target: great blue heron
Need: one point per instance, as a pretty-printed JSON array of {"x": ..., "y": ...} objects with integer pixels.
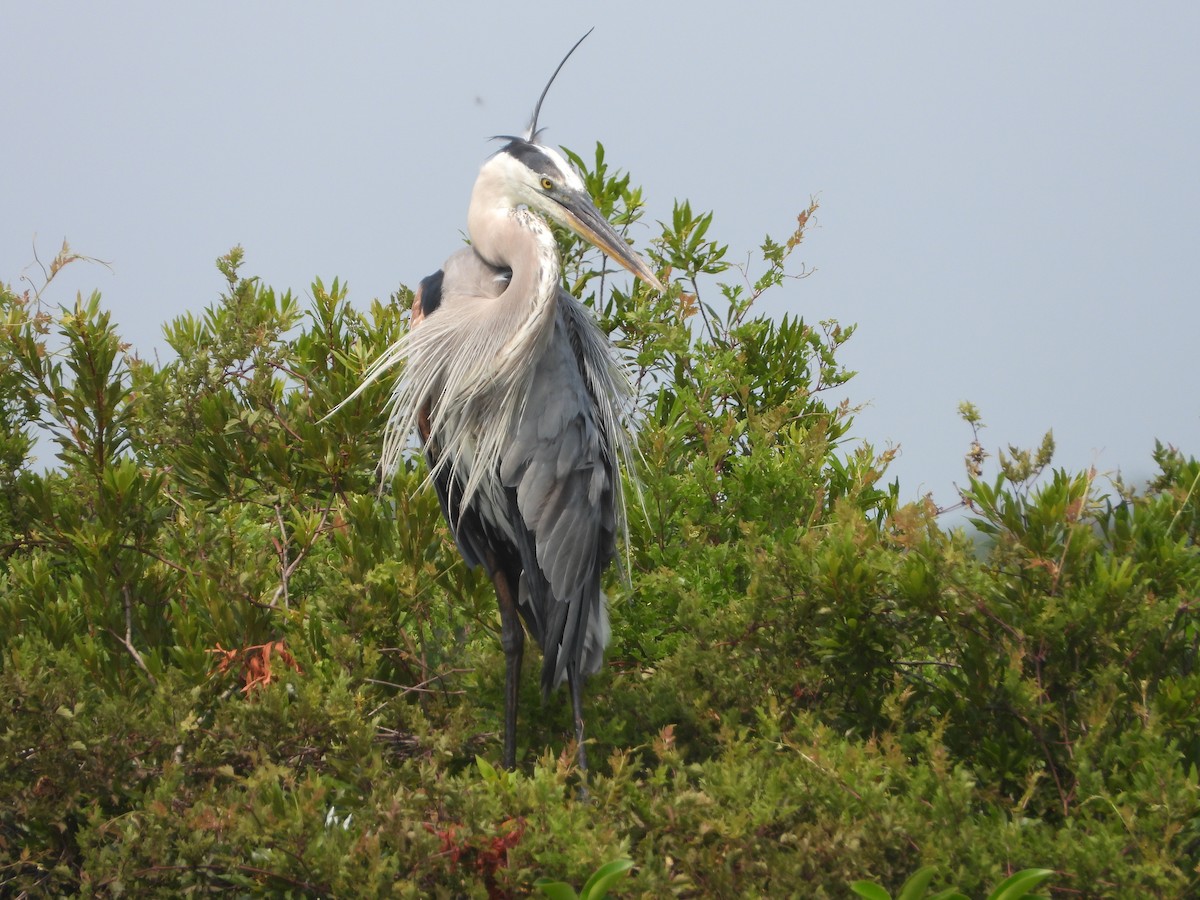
[{"x": 521, "y": 406}]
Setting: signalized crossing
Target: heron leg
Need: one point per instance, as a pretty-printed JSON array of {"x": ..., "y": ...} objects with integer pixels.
[
  {"x": 512, "y": 640},
  {"x": 575, "y": 683}
]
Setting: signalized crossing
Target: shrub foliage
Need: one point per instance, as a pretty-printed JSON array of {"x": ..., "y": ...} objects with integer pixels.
[{"x": 227, "y": 663}]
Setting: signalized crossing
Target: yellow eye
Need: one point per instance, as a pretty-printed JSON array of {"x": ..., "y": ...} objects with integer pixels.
[{"x": 547, "y": 184}]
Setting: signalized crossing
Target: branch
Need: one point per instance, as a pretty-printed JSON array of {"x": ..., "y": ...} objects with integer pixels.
[
  {"x": 128, "y": 639},
  {"x": 423, "y": 687}
]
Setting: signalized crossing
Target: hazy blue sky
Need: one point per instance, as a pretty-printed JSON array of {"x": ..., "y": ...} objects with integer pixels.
[{"x": 1008, "y": 191}]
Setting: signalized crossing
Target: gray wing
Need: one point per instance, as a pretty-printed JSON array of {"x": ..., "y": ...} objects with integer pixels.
[
  {"x": 552, "y": 527},
  {"x": 561, "y": 469}
]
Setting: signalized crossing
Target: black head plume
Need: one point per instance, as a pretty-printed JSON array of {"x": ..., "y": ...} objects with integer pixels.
[{"x": 532, "y": 131}]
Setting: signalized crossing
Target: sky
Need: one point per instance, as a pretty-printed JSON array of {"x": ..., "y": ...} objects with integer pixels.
[{"x": 1008, "y": 192}]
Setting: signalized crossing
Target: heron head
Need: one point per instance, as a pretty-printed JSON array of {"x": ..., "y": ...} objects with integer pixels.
[{"x": 540, "y": 178}]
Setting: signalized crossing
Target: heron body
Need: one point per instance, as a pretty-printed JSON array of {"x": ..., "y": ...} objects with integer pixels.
[
  {"x": 545, "y": 518},
  {"x": 520, "y": 406}
]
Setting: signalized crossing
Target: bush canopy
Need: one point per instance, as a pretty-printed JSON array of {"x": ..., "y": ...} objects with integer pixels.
[{"x": 227, "y": 662}]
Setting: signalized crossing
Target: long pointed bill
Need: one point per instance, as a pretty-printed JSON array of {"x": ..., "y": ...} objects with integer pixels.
[{"x": 585, "y": 220}]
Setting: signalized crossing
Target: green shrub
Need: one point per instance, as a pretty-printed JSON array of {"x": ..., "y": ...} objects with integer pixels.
[{"x": 226, "y": 663}]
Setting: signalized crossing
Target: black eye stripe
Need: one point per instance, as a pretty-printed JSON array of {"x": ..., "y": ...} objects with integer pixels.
[{"x": 532, "y": 157}]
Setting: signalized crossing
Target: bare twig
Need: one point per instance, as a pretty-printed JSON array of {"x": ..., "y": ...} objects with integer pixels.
[
  {"x": 927, "y": 662},
  {"x": 286, "y": 566},
  {"x": 423, "y": 686},
  {"x": 128, "y": 639},
  {"x": 64, "y": 257},
  {"x": 1186, "y": 498}
]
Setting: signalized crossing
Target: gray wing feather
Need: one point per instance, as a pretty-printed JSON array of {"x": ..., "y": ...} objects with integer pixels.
[
  {"x": 563, "y": 479},
  {"x": 560, "y": 464}
]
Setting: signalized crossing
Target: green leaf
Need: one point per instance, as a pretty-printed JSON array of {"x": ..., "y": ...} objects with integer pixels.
[
  {"x": 1018, "y": 885},
  {"x": 556, "y": 890},
  {"x": 870, "y": 890},
  {"x": 597, "y": 886},
  {"x": 917, "y": 883},
  {"x": 487, "y": 770}
]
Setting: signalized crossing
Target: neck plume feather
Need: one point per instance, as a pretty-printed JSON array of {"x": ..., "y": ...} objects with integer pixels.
[{"x": 471, "y": 362}]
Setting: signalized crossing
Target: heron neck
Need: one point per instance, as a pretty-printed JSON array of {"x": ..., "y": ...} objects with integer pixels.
[{"x": 518, "y": 240}]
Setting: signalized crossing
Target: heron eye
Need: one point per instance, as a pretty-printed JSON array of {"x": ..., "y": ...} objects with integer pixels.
[{"x": 547, "y": 184}]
